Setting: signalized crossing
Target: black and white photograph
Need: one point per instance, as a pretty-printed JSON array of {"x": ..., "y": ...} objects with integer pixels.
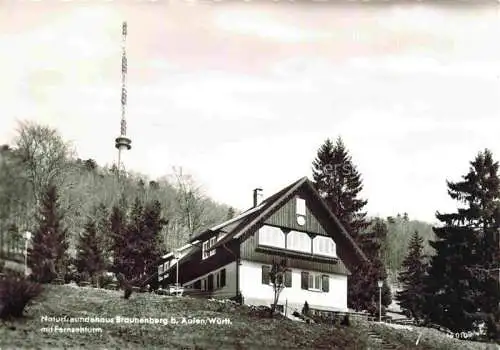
[{"x": 250, "y": 174}]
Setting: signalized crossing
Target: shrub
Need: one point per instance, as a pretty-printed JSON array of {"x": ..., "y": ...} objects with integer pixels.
[
  {"x": 105, "y": 281},
  {"x": 306, "y": 311},
  {"x": 15, "y": 293},
  {"x": 238, "y": 299}
]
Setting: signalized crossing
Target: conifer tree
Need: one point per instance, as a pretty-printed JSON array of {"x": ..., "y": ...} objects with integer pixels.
[
  {"x": 150, "y": 252},
  {"x": 48, "y": 256},
  {"x": 458, "y": 294},
  {"x": 104, "y": 233},
  {"x": 339, "y": 183},
  {"x": 363, "y": 290},
  {"x": 118, "y": 226},
  {"x": 90, "y": 257},
  {"x": 411, "y": 297}
]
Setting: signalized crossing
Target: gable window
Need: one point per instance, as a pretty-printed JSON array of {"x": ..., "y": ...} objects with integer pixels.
[
  {"x": 299, "y": 241},
  {"x": 205, "y": 248},
  {"x": 324, "y": 246},
  {"x": 313, "y": 281},
  {"x": 271, "y": 236},
  {"x": 300, "y": 206}
]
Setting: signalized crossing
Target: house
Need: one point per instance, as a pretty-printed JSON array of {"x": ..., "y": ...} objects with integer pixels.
[{"x": 295, "y": 224}]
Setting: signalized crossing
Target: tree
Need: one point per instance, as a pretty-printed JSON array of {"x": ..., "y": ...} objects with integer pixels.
[
  {"x": 90, "y": 257},
  {"x": 363, "y": 288},
  {"x": 231, "y": 213},
  {"x": 118, "y": 225},
  {"x": 48, "y": 257},
  {"x": 104, "y": 234},
  {"x": 411, "y": 297},
  {"x": 191, "y": 201},
  {"x": 277, "y": 279},
  {"x": 44, "y": 154},
  {"x": 339, "y": 183},
  {"x": 150, "y": 250},
  {"x": 458, "y": 295}
]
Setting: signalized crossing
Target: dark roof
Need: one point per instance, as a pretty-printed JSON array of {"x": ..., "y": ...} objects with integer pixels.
[{"x": 241, "y": 226}]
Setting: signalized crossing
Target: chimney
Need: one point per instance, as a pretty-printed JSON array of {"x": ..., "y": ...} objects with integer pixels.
[{"x": 257, "y": 196}]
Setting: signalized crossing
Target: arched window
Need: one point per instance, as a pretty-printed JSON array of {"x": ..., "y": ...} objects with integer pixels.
[
  {"x": 324, "y": 246},
  {"x": 299, "y": 241},
  {"x": 272, "y": 237}
]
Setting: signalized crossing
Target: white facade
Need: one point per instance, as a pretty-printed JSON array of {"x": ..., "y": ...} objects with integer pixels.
[{"x": 256, "y": 293}]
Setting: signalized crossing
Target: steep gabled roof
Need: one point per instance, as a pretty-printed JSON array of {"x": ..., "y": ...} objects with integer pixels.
[
  {"x": 241, "y": 228},
  {"x": 241, "y": 220}
]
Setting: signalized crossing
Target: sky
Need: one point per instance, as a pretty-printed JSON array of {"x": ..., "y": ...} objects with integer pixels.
[{"x": 242, "y": 94}]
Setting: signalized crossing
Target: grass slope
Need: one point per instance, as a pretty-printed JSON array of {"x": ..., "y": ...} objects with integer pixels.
[{"x": 245, "y": 331}]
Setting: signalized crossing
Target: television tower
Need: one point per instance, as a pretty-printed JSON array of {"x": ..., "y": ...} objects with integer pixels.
[{"x": 122, "y": 142}]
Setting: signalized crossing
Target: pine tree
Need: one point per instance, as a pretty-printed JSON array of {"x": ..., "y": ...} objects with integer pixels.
[
  {"x": 150, "y": 252},
  {"x": 411, "y": 297},
  {"x": 118, "y": 225},
  {"x": 48, "y": 257},
  {"x": 90, "y": 257},
  {"x": 458, "y": 294},
  {"x": 230, "y": 213},
  {"x": 363, "y": 289},
  {"x": 104, "y": 233},
  {"x": 339, "y": 183}
]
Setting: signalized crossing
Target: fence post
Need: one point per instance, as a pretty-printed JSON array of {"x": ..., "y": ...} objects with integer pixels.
[{"x": 286, "y": 306}]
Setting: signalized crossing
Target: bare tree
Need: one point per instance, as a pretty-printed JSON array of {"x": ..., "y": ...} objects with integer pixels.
[
  {"x": 44, "y": 155},
  {"x": 277, "y": 279},
  {"x": 191, "y": 201}
]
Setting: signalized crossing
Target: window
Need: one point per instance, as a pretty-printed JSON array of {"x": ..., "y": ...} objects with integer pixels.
[
  {"x": 205, "y": 248},
  {"x": 205, "y": 253},
  {"x": 210, "y": 284},
  {"x": 271, "y": 236},
  {"x": 300, "y": 206},
  {"x": 222, "y": 278},
  {"x": 324, "y": 246},
  {"x": 266, "y": 278},
  {"x": 312, "y": 281},
  {"x": 288, "y": 278},
  {"x": 265, "y": 274},
  {"x": 160, "y": 272},
  {"x": 299, "y": 241}
]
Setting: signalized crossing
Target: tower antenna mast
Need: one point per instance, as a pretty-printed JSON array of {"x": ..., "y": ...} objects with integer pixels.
[{"x": 122, "y": 142}]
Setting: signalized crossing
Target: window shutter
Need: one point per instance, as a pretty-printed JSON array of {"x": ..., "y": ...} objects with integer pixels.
[
  {"x": 304, "y": 280},
  {"x": 326, "y": 283},
  {"x": 223, "y": 278},
  {"x": 288, "y": 278},
  {"x": 265, "y": 274}
]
